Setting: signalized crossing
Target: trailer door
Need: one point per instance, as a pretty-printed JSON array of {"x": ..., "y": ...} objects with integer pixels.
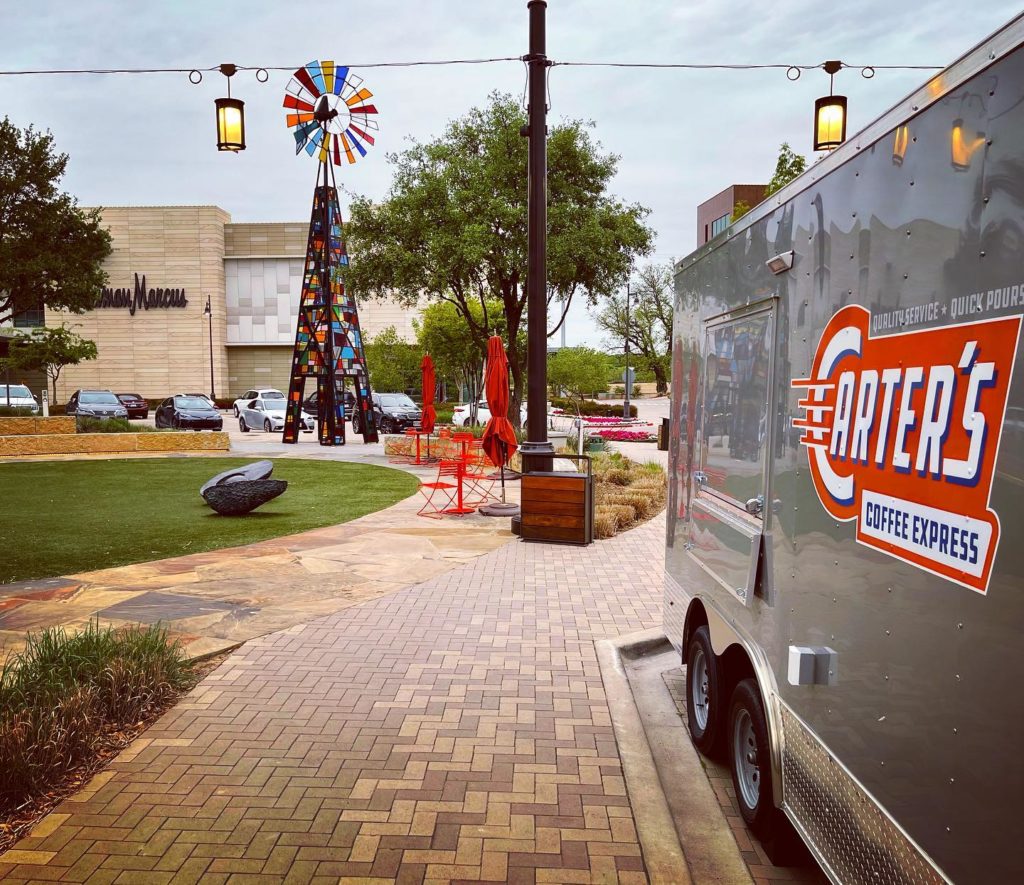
[{"x": 729, "y": 512}]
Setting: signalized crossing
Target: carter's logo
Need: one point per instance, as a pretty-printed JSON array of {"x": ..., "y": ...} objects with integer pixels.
[{"x": 902, "y": 434}]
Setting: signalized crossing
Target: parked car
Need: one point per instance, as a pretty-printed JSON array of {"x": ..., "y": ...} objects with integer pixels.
[
  {"x": 461, "y": 416},
  {"x": 311, "y": 404},
  {"x": 187, "y": 412},
  {"x": 204, "y": 396},
  {"x": 264, "y": 393},
  {"x": 137, "y": 407},
  {"x": 393, "y": 412},
  {"x": 95, "y": 404},
  {"x": 267, "y": 414},
  {"x": 17, "y": 396}
]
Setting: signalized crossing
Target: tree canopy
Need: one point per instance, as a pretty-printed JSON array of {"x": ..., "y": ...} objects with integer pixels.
[
  {"x": 49, "y": 349},
  {"x": 51, "y": 252},
  {"x": 580, "y": 371},
  {"x": 394, "y": 364},
  {"x": 454, "y": 226},
  {"x": 650, "y": 321},
  {"x": 789, "y": 165}
]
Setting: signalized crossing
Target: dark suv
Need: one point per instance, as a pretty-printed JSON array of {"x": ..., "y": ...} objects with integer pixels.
[
  {"x": 393, "y": 412},
  {"x": 311, "y": 404}
]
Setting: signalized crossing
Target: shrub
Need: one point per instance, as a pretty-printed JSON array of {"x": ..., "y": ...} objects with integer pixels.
[
  {"x": 622, "y": 515},
  {"x": 16, "y": 412},
  {"x": 85, "y": 424},
  {"x": 591, "y": 407},
  {"x": 65, "y": 697}
]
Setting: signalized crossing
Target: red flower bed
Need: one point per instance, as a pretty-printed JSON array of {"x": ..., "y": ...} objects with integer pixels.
[{"x": 626, "y": 435}]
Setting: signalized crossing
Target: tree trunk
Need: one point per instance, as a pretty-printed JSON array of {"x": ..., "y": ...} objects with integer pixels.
[
  {"x": 659, "y": 376},
  {"x": 515, "y": 367}
]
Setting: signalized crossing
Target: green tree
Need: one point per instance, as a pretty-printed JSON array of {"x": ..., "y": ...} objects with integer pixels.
[
  {"x": 650, "y": 321},
  {"x": 741, "y": 208},
  {"x": 789, "y": 165},
  {"x": 51, "y": 252},
  {"x": 454, "y": 225},
  {"x": 394, "y": 364},
  {"x": 580, "y": 371},
  {"x": 50, "y": 350}
]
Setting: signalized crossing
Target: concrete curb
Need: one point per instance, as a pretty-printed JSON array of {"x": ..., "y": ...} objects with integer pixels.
[
  {"x": 683, "y": 832},
  {"x": 659, "y": 841}
]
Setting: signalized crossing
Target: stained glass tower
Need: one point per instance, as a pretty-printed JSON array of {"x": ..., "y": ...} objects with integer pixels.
[{"x": 328, "y": 342}]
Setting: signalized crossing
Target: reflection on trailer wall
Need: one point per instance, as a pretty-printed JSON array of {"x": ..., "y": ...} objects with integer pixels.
[{"x": 924, "y": 229}]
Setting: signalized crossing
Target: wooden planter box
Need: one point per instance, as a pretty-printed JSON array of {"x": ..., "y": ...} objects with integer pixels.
[{"x": 558, "y": 506}]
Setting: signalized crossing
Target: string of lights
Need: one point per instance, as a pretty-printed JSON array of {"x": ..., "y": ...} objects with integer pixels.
[{"x": 793, "y": 71}]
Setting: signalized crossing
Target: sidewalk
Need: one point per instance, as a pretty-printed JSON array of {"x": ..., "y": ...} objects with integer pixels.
[{"x": 454, "y": 730}]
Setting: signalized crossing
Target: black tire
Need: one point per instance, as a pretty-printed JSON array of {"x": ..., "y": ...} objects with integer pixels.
[
  {"x": 267, "y": 426},
  {"x": 387, "y": 425},
  {"x": 707, "y": 725},
  {"x": 242, "y": 425},
  {"x": 355, "y": 423},
  {"x": 235, "y": 410},
  {"x": 750, "y": 761}
]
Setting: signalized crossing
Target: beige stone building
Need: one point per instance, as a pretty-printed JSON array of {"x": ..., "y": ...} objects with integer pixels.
[{"x": 150, "y": 329}]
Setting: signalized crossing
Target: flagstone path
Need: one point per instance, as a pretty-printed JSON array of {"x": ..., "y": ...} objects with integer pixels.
[
  {"x": 215, "y": 600},
  {"x": 453, "y": 730}
]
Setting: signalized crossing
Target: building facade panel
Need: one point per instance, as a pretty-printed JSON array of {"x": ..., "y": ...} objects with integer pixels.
[{"x": 152, "y": 344}]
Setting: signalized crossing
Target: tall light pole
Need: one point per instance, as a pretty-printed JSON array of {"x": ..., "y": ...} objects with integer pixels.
[
  {"x": 625, "y": 399},
  {"x": 536, "y": 449},
  {"x": 208, "y": 313}
]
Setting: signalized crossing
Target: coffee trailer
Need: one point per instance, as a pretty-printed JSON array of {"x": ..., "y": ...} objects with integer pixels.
[{"x": 845, "y": 554}]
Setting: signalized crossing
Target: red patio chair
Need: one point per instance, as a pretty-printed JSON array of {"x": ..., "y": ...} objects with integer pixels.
[
  {"x": 479, "y": 475},
  {"x": 444, "y": 488}
]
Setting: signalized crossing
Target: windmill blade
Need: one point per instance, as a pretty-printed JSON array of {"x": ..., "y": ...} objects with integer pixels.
[
  {"x": 293, "y": 101},
  {"x": 328, "y": 70},
  {"x": 337, "y": 151},
  {"x": 314, "y": 71},
  {"x": 365, "y": 136},
  {"x": 340, "y": 76},
  {"x": 302, "y": 75},
  {"x": 302, "y": 134},
  {"x": 355, "y": 142}
]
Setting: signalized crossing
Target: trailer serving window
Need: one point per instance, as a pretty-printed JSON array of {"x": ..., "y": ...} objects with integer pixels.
[{"x": 737, "y": 351}]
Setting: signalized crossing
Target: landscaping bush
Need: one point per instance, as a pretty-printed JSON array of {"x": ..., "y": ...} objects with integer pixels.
[
  {"x": 591, "y": 407},
  {"x": 65, "y": 698},
  {"x": 85, "y": 424},
  {"x": 16, "y": 412}
]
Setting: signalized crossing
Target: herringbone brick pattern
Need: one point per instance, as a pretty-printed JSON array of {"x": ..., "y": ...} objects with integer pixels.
[{"x": 456, "y": 730}]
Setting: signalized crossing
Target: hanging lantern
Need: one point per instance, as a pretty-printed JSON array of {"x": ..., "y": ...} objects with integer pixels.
[
  {"x": 230, "y": 117},
  {"x": 830, "y": 114}
]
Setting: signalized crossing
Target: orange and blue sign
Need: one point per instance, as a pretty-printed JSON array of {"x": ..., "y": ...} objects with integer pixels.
[{"x": 902, "y": 433}]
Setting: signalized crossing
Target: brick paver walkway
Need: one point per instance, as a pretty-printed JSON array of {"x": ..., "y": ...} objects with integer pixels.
[{"x": 456, "y": 730}]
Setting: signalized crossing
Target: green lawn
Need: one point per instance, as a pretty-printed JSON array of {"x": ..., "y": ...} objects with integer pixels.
[{"x": 61, "y": 517}]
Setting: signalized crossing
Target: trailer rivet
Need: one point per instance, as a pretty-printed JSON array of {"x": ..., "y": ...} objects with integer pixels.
[
  {"x": 952, "y": 780},
  {"x": 886, "y": 678},
  {"x": 888, "y": 632},
  {"x": 955, "y": 731},
  {"x": 982, "y": 253},
  {"x": 960, "y": 626},
  {"x": 906, "y": 276},
  {"x": 911, "y": 183}
]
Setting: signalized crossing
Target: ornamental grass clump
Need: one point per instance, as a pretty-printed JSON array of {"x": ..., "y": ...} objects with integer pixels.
[
  {"x": 87, "y": 424},
  {"x": 68, "y": 697},
  {"x": 625, "y": 493}
]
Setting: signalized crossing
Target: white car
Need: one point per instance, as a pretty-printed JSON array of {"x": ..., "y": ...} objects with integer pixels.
[
  {"x": 461, "y": 417},
  {"x": 18, "y": 396},
  {"x": 263, "y": 393},
  {"x": 267, "y": 414}
]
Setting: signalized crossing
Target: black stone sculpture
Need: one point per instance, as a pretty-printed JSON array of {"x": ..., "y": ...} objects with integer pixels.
[
  {"x": 256, "y": 470},
  {"x": 236, "y": 498}
]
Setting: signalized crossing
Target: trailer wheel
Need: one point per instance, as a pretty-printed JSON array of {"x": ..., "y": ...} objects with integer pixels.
[
  {"x": 704, "y": 702},
  {"x": 749, "y": 760}
]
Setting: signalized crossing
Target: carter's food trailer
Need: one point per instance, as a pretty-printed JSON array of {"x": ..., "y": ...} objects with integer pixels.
[{"x": 845, "y": 553}]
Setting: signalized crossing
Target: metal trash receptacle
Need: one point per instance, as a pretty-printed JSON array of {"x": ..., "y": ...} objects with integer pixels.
[
  {"x": 557, "y": 506},
  {"x": 663, "y": 431}
]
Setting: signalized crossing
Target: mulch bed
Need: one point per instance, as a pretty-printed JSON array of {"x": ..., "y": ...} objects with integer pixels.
[{"x": 16, "y": 824}]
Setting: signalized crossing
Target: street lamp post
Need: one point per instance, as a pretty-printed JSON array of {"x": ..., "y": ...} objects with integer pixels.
[
  {"x": 208, "y": 313},
  {"x": 537, "y": 451},
  {"x": 625, "y": 399}
]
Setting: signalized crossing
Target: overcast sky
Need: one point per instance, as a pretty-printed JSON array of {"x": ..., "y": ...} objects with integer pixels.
[{"x": 682, "y": 135}]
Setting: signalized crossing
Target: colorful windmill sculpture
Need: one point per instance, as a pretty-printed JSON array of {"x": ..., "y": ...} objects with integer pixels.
[{"x": 330, "y": 117}]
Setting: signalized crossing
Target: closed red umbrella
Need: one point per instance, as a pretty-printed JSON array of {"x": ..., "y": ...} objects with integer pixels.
[
  {"x": 429, "y": 415},
  {"x": 499, "y": 436}
]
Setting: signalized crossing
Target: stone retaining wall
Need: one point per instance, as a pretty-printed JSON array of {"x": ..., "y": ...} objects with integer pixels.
[
  {"x": 112, "y": 443},
  {"x": 35, "y": 426}
]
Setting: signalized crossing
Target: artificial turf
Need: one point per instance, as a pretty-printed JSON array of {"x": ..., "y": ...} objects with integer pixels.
[{"x": 63, "y": 517}]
